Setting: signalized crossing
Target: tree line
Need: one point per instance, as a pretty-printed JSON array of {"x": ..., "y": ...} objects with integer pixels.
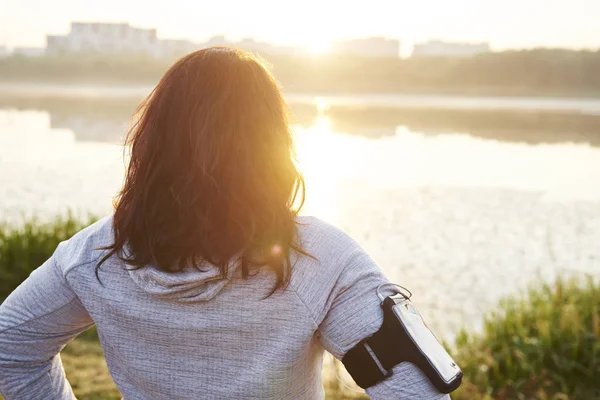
[{"x": 525, "y": 72}]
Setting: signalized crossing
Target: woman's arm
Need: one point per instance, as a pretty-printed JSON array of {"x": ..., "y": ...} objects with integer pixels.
[
  {"x": 36, "y": 321},
  {"x": 355, "y": 313},
  {"x": 339, "y": 289}
]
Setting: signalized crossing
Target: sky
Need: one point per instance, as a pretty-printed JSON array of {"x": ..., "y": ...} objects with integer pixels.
[{"x": 503, "y": 23}]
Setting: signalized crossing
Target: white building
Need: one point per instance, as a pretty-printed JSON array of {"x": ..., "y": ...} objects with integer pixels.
[
  {"x": 174, "y": 48},
  {"x": 260, "y": 47},
  {"x": 437, "y": 48},
  {"x": 217, "y": 41},
  {"x": 106, "y": 38},
  {"x": 378, "y": 47},
  {"x": 123, "y": 39},
  {"x": 4, "y": 52}
]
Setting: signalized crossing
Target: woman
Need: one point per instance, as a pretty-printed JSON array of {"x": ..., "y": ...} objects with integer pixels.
[{"x": 204, "y": 283}]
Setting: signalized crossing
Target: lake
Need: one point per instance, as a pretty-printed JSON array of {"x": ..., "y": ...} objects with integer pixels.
[{"x": 462, "y": 200}]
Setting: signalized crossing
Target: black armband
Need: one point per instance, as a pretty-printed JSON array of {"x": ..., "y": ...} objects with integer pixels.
[{"x": 403, "y": 336}]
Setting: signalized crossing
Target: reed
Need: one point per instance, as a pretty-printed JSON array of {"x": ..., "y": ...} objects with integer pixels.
[
  {"x": 25, "y": 247},
  {"x": 544, "y": 344}
]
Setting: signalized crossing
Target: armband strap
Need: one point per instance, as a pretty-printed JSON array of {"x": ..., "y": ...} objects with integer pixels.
[{"x": 372, "y": 359}]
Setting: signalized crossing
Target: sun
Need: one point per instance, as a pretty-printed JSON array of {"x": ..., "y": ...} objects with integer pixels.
[{"x": 318, "y": 47}]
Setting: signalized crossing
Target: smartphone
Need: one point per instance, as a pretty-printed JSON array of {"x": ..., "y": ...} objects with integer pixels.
[{"x": 426, "y": 352}]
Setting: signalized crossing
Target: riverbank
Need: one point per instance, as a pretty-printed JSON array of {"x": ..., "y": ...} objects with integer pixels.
[
  {"x": 465, "y": 98},
  {"x": 509, "y": 119},
  {"x": 539, "y": 344},
  {"x": 526, "y": 73}
]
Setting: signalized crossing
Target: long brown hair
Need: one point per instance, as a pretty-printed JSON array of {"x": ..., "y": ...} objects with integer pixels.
[{"x": 211, "y": 178}]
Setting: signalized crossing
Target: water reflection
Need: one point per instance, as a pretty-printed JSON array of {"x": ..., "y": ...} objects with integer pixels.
[
  {"x": 532, "y": 127},
  {"x": 431, "y": 197},
  {"x": 107, "y": 120},
  {"x": 97, "y": 120}
]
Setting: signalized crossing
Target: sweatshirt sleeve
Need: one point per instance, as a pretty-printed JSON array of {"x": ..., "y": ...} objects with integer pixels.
[
  {"x": 340, "y": 290},
  {"x": 355, "y": 313},
  {"x": 36, "y": 321}
]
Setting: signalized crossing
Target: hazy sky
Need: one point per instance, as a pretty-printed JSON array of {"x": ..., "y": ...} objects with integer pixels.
[{"x": 504, "y": 23}]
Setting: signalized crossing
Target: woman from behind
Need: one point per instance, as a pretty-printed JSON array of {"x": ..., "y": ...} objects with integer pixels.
[{"x": 205, "y": 282}]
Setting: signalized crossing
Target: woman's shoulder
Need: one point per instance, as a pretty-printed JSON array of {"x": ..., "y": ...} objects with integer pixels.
[
  {"x": 322, "y": 237},
  {"x": 86, "y": 246},
  {"x": 330, "y": 250},
  {"x": 336, "y": 264},
  {"x": 312, "y": 227}
]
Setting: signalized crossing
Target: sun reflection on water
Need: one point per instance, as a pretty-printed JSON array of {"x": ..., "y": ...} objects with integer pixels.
[
  {"x": 426, "y": 207},
  {"x": 326, "y": 162},
  {"x": 330, "y": 159}
]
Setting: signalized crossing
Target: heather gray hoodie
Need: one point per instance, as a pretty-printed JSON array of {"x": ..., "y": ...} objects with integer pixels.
[{"x": 195, "y": 335}]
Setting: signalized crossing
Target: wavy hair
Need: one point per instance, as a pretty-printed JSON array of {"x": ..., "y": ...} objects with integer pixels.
[{"x": 211, "y": 176}]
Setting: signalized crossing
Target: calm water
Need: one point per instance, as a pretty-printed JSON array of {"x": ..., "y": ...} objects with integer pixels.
[{"x": 461, "y": 204}]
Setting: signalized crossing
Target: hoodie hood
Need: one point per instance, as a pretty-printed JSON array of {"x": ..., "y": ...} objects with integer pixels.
[{"x": 189, "y": 285}]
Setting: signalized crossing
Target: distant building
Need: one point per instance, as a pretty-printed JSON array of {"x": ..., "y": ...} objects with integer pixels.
[
  {"x": 124, "y": 39},
  {"x": 105, "y": 38},
  {"x": 174, "y": 48},
  {"x": 262, "y": 47},
  {"x": 4, "y": 52},
  {"x": 56, "y": 45},
  {"x": 371, "y": 47},
  {"x": 29, "y": 51},
  {"x": 217, "y": 41},
  {"x": 252, "y": 45},
  {"x": 437, "y": 48}
]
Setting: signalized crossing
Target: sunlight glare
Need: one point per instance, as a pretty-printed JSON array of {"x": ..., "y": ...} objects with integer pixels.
[
  {"x": 322, "y": 125},
  {"x": 319, "y": 47},
  {"x": 322, "y": 105},
  {"x": 276, "y": 250},
  {"x": 326, "y": 159}
]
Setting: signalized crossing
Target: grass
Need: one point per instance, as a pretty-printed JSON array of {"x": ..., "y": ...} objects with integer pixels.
[
  {"x": 87, "y": 372},
  {"x": 543, "y": 344},
  {"x": 26, "y": 247}
]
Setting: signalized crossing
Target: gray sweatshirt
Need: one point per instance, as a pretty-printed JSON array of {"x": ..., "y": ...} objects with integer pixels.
[{"x": 194, "y": 335}]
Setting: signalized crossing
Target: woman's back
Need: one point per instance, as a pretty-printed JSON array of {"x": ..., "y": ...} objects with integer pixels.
[
  {"x": 178, "y": 335},
  {"x": 192, "y": 334},
  {"x": 204, "y": 283}
]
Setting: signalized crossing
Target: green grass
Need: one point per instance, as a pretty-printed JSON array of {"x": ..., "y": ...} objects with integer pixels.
[
  {"x": 26, "y": 247},
  {"x": 544, "y": 344},
  {"x": 87, "y": 372}
]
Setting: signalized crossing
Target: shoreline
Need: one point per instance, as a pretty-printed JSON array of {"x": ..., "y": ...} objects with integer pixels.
[{"x": 398, "y": 100}]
